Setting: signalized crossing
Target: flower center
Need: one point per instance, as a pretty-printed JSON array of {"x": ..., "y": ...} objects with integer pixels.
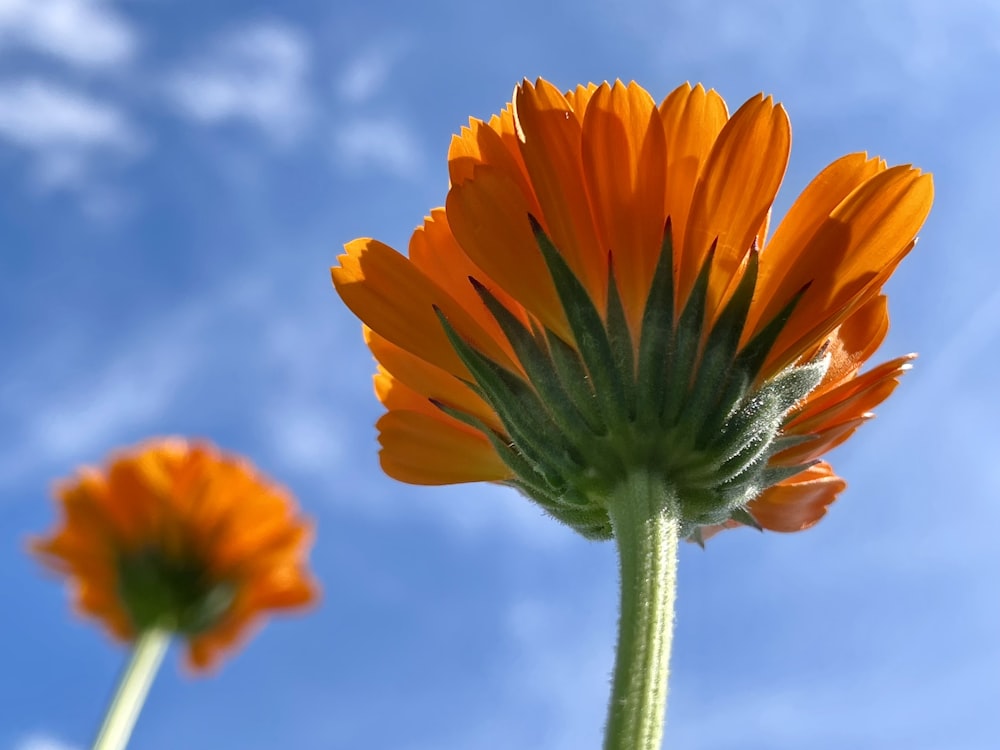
[{"x": 178, "y": 594}]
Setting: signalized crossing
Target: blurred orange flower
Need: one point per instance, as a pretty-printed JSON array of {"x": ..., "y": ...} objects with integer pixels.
[
  {"x": 177, "y": 535},
  {"x": 626, "y": 307}
]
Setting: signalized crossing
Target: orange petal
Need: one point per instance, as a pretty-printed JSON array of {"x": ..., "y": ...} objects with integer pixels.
[
  {"x": 823, "y": 442},
  {"x": 421, "y": 449},
  {"x": 850, "y": 255},
  {"x": 284, "y": 588},
  {"x": 435, "y": 251},
  {"x": 489, "y": 217},
  {"x": 854, "y": 341},
  {"x": 100, "y": 600},
  {"x": 798, "y": 502},
  {"x": 579, "y": 98},
  {"x": 692, "y": 120},
  {"x": 205, "y": 650},
  {"x": 495, "y": 144},
  {"x": 396, "y": 395},
  {"x": 260, "y": 548},
  {"x": 737, "y": 186},
  {"x": 393, "y": 297},
  {"x": 849, "y": 400},
  {"x": 808, "y": 213},
  {"x": 624, "y": 160},
  {"x": 137, "y": 492},
  {"x": 429, "y": 381},
  {"x": 551, "y": 134}
]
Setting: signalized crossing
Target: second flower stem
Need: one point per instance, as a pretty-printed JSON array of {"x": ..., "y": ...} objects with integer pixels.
[
  {"x": 643, "y": 511},
  {"x": 132, "y": 689}
]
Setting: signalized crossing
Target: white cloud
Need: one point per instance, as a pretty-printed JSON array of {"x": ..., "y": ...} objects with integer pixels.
[
  {"x": 553, "y": 666},
  {"x": 564, "y": 662},
  {"x": 80, "y": 32},
  {"x": 132, "y": 391},
  {"x": 63, "y": 129},
  {"x": 256, "y": 75},
  {"x": 366, "y": 75},
  {"x": 36, "y": 114},
  {"x": 305, "y": 439},
  {"x": 42, "y": 742},
  {"x": 385, "y": 143},
  {"x": 860, "y": 52}
]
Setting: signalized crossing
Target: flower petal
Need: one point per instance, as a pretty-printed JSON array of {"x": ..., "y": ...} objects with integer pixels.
[
  {"x": 624, "y": 160},
  {"x": 823, "y": 441},
  {"x": 395, "y": 299},
  {"x": 429, "y": 381},
  {"x": 851, "y": 399},
  {"x": 737, "y": 186},
  {"x": 854, "y": 341},
  {"x": 489, "y": 217},
  {"x": 692, "y": 120},
  {"x": 496, "y": 144},
  {"x": 435, "y": 251},
  {"x": 808, "y": 213},
  {"x": 550, "y": 139},
  {"x": 847, "y": 259},
  {"x": 798, "y": 502},
  {"x": 422, "y": 449}
]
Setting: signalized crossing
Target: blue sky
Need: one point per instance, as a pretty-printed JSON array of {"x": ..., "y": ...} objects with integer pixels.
[{"x": 177, "y": 177}]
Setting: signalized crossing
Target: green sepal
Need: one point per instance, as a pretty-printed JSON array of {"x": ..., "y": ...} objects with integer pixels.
[
  {"x": 575, "y": 380},
  {"x": 523, "y": 468},
  {"x": 537, "y": 364},
  {"x": 766, "y": 409},
  {"x": 697, "y": 536},
  {"x": 621, "y": 339},
  {"x": 784, "y": 442},
  {"x": 688, "y": 333},
  {"x": 742, "y": 516},
  {"x": 522, "y": 413},
  {"x": 656, "y": 339},
  {"x": 774, "y": 474},
  {"x": 744, "y": 371},
  {"x": 705, "y": 405},
  {"x": 588, "y": 329},
  {"x": 160, "y": 591},
  {"x": 751, "y": 358}
]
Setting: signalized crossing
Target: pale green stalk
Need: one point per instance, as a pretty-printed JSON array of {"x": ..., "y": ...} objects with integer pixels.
[
  {"x": 643, "y": 511},
  {"x": 132, "y": 689}
]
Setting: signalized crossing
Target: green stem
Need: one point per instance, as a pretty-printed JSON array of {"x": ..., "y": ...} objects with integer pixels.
[
  {"x": 643, "y": 511},
  {"x": 132, "y": 690}
]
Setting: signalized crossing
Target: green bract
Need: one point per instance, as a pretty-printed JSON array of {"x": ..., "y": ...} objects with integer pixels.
[{"x": 684, "y": 404}]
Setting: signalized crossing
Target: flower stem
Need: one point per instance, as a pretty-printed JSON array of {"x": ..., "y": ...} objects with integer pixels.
[
  {"x": 132, "y": 690},
  {"x": 643, "y": 511}
]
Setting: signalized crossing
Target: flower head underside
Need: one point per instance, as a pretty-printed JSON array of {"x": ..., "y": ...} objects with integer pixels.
[
  {"x": 181, "y": 537},
  {"x": 599, "y": 294}
]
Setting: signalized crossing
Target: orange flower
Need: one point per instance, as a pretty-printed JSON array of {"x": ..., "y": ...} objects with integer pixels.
[
  {"x": 599, "y": 293},
  {"x": 178, "y": 536}
]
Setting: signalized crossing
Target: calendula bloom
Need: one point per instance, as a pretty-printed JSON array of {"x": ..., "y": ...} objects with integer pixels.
[
  {"x": 177, "y": 536},
  {"x": 599, "y": 296}
]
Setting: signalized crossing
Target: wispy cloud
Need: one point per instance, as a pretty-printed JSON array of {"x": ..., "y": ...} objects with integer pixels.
[
  {"x": 128, "y": 392},
  {"x": 862, "y": 52},
  {"x": 366, "y": 75},
  {"x": 256, "y": 75},
  {"x": 41, "y": 742},
  {"x": 63, "y": 129},
  {"x": 383, "y": 143},
  {"x": 80, "y": 32}
]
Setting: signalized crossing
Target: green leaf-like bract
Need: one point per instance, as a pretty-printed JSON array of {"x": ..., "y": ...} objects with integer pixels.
[{"x": 682, "y": 401}]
